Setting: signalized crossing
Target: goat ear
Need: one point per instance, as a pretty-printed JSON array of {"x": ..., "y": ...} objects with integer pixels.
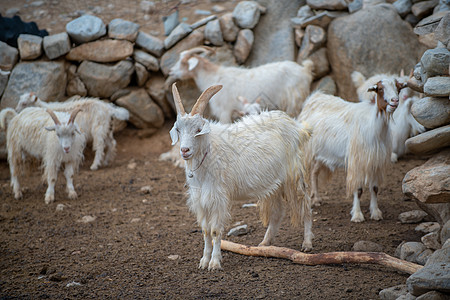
[
  {"x": 205, "y": 129},
  {"x": 50, "y": 128},
  {"x": 373, "y": 88},
  {"x": 174, "y": 134},
  {"x": 400, "y": 85},
  {"x": 192, "y": 63}
]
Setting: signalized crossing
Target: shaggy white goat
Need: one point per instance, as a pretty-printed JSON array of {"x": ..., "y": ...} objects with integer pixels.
[
  {"x": 280, "y": 85},
  {"x": 95, "y": 121},
  {"x": 354, "y": 136},
  {"x": 52, "y": 137},
  {"x": 259, "y": 157},
  {"x": 402, "y": 122}
]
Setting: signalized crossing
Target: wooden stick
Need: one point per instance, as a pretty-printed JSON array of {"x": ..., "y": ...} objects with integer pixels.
[{"x": 298, "y": 257}]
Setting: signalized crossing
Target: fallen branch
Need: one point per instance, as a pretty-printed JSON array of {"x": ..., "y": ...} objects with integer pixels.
[{"x": 298, "y": 257}]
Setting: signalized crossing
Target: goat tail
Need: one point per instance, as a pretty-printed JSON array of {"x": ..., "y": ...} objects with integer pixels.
[
  {"x": 358, "y": 79},
  {"x": 119, "y": 113},
  {"x": 5, "y": 117}
]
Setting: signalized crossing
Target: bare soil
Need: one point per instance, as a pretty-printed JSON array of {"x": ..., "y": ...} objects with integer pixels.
[{"x": 124, "y": 253}]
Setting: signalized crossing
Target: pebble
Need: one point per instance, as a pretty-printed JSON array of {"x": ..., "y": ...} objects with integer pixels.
[
  {"x": 174, "y": 257},
  {"x": 87, "y": 219},
  {"x": 146, "y": 190}
]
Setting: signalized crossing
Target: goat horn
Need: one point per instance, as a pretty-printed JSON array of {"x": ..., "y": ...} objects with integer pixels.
[
  {"x": 202, "y": 101},
  {"x": 177, "y": 100},
  {"x": 73, "y": 115},
  {"x": 54, "y": 117},
  {"x": 201, "y": 49}
]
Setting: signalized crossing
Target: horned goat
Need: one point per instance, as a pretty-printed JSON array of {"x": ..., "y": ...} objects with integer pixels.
[
  {"x": 281, "y": 85},
  {"x": 30, "y": 133},
  {"x": 354, "y": 136},
  {"x": 260, "y": 157},
  {"x": 402, "y": 122},
  {"x": 95, "y": 121}
]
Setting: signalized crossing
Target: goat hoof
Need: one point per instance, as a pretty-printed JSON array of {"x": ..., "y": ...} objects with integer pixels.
[
  {"x": 358, "y": 218},
  {"x": 18, "y": 195},
  {"x": 94, "y": 167},
  {"x": 49, "y": 199},
  {"x": 73, "y": 195},
  {"x": 264, "y": 243},
  {"x": 307, "y": 247},
  {"x": 214, "y": 264},
  {"x": 377, "y": 215},
  {"x": 203, "y": 263}
]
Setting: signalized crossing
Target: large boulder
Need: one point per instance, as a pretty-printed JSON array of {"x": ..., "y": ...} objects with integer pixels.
[
  {"x": 85, "y": 29},
  {"x": 429, "y": 141},
  {"x": 371, "y": 41},
  {"x": 103, "y": 80},
  {"x": 274, "y": 37},
  {"x": 47, "y": 79},
  {"x": 102, "y": 51},
  {"x": 431, "y": 112}
]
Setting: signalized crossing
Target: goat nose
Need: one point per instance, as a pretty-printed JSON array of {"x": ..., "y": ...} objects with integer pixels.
[
  {"x": 66, "y": 149},
  {"x": 184, "y": 149}
]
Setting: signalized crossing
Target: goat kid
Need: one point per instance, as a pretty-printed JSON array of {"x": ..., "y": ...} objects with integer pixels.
[
  {"x": 52, "y": 137},
  {"x": 260, "y": 157},
  {"x": 354, "y": 136}
]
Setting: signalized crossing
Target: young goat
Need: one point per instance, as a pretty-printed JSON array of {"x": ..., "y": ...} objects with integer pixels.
[
  {"x": 95, "y": 121},
  {"x": 402, "y": 122},
  {"x": 259, "y": 157},
  {"x": 31, "y": 133},
  {"x": 281, "y": 85},
  {"x": 354, "y": 136}
]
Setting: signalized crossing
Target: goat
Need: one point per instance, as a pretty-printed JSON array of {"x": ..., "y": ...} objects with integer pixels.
[
  {"x": 355, "y": 136},
  {"x": 281, "y": 85},
  {"x": 259, "y": 157},
  {"x": 31, "y": 133},
  {"x": 95, "y": 122},
  {"x": 403, "y": 123}
]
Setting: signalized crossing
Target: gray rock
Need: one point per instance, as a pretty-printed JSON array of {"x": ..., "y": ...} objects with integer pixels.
[
  {"x": 429, "y": 24},
  {"x": 431, "y": 112},
  {"x": 326, "y": 85},
  {"x": 274, "y": 39},
  {"x": 438, "y": 86},
  {"x": 394, "y": 292},
  {"x": 423, "y": 8},
  {"x": 435, "y": 62},
  {"x": 246, "y": 14},
  {"x": 144, "y": 113},
  {"x": 305, "y": 12},
  {"x": 47, "y": 79},
  {"x": 11, "y": 12},
  {"x": 238, "y": 230},
  {"x": 435, "y": 275},
  {"x": 149, "y": 61},
  {"x": 445, "y": 232},
  {"x": 431, "y": 240},
  {"x": 76, "y": 87},
  {"x": 430, "y": 141},
  {"x": 228, "y": 27},
  {"x": 8, "y": 56},
  {"x": 85, "y": 29},
  {"x": 177, "y": 34},
  {"x": 243, "y": 45},
  {"x": 213, "y": 33},
  {"x": 355, "y": 5},
  {"x": 104, "y": 80},
  {"x": 430, "y": 183},
  {"x": 4, "y": 75},
  {"x": 442, "y": 31},
  {"x": 203, "y": 21},
  {"x": 403, "y": 7},
  {"x": 151, "y": 44},
  {"x": 353, "y": 45},
  {"x": 147, "y": 6},
  {"x": 432, "y": 295},
  {"x": 202, "y": 12},
  {"x": 30, "y": 46},
  {"x": 56, "y": 45},
  {"x": 367, "y": 246},
  {"x": 170, "y": 22},
  {"x": 411, "y": 217},
  {"x": 423, "y": 256},
  {"x": 315, "y": 37},
  {"x": 155, "y": 87},
  {"x": 440, "y": 212},
  {"x": 428, "y": 227},
  {"x": 123, "y": 30},
  {"x": 321, "y": 19},
  {"x": 171, "y": 56},
  {"x": 321, "y": 64},
  {"x": 327, "y": 4},
  {"x": 105, "y": 51},
  {"x": 141, "y": 74},
  {"x": 410, "y": 250}
]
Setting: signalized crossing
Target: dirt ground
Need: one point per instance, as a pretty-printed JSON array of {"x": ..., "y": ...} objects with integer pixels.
[{"x": 124, "y": 252}]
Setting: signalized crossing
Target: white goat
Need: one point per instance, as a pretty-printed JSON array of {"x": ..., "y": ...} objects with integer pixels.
[
  {"x": 95, "y": 121},
  {"x": 354, "y": 136},
  {"x": 280, "y": 85},
  {"x": 259, "y": 157},
  {"x": 29, "y": 133},
  {"x": 402, "y": 122}
]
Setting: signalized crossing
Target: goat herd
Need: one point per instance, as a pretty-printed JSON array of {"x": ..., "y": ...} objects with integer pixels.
[{"x": 285, "y": 138}]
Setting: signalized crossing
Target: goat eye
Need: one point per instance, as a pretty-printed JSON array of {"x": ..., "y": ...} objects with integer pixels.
[{"x": 199, "y": 130}]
